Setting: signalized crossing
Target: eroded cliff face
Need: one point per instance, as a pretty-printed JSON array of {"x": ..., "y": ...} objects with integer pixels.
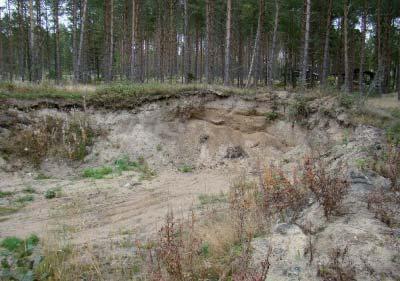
[{"x": 195, "y": 144}]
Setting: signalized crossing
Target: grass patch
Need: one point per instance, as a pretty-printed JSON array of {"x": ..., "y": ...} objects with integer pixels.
[
  {"x": 97, "y": 173},
  {"x": 35, "y": 91},
  {"x": 5, "y": 210},
  {"x": 50, "y": 194},
  {"x": 5, "y": 194},
  {"x": 24, "y": 199},
  {"x": 206, "y": 199},
  {"x": 16, "y": 258},
  {"x": 41, "y": 176},
  {"x": 185, "y": 168}
]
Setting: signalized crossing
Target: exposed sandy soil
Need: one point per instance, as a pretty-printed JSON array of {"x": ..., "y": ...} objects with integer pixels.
[{"x": 199, "y": 132}]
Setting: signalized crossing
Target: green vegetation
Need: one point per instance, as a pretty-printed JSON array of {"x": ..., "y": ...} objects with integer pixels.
[
  {"x": 50, "y": 194},
  {"x": 271, "y": 116},
  {"x": 41, "y": 176},
  {"x": 17, "y": 262},
  {"x": 97, "y": 173},
  {"x": 24, "y": 199},
  {"x": 185, "y": 168},
  {"x": 5, "y": 194},
  {"x": 299, "y": 108},
  {"x": 35, "y": 91},
  {"x": 121, "y": 165}
]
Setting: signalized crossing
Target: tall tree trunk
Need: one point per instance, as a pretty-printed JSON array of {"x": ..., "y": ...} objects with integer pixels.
[
  {"x": 57, "y": 60},
  {"x": 256, "y": 43},
  {"x": 81, "y": 40},
  {"x": 133, "y": 41},
  {"x": 186, "y": 48},
  {"x": 31, "y": 43},
  {"x": 209, "y": 43},
  {"x": 271, "y": 59},
  {"x": 74, "y": 41},
  {"x": 362, "y": 51},
  {"x": 228, "y": 42},
  {"x": 325, "y": 65},
  {"x": 346, "y": 48},
  {"x": 111, "y": 44},
  {"x": 303, "y": 79},
  {"x": 379, "y": 73},
  {"x": 38, "y": 57}
]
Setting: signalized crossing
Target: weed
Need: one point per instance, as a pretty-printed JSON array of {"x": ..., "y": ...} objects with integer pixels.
[
  {"x": 328, "y": 190},
  {"x": 393, "y": 133},
  {"x": 24, "y": 199},
  {"x": 384, "y": 205},
  {"x": 347, "y": 101},
  {"x": 41, "y": 176},
  {"x": 271, "y": 115},
  {"x": 5, "y": 194},
  {"x": 185, "y": 168},
  {"x": 97, "y": 173},
  {"x": 299, "y": 109},
  {"x": 50, "y": 194},
  {"x": 124, "y": 164},
  {"x": 11, "y": 243},
  {"x": 206, "y": 199},
  {"x": 159, "y": 147},
  {"x": 280, "y": 196},
  {"x": 29, "y": 189},
  {"x": 338, "y": 268}
]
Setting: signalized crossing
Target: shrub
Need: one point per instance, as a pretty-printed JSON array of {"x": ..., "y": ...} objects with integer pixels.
[
  {"x": 346, "y": 100},
  {"x": 328, "y": 190},
  {"x": 393, "y": 133},
  {"x": 271, "y": 116},
  {"x": 280, "y": 195},
  {"x": 50, "y": 194},
  {"x": 299, "y": 109},
  {"x": 384, "y": 205},
  {"x": 338, "y": 268}
]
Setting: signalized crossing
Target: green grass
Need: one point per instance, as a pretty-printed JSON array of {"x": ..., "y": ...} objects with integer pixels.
[
  {"x": 11, "y": 243},
  {"x": 24, "y": 199},
  {"x": 5, "y": 194},
  {"x": 185, "y": 168},
  {"x": 50, "y": 194},
  {"x": 34, "y": 91},
  {"x": 97, "y": 173},
  {"x": 114, "y": 95}
]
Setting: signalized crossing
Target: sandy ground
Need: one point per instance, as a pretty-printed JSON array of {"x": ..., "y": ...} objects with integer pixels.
[{"x": 94, "y": 210}]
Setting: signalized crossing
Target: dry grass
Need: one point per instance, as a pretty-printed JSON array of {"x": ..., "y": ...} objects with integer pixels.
[{"x": 338, "y": 267}]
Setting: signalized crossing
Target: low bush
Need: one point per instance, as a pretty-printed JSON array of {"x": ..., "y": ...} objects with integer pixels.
[
  {"x": 271, "y": 115},
  {"x": 50, "y": 194},
  {"x": 299, "y": 109},
  {"x": 338, "y": 267},
  {"x": 185, "y": 168},
  {"x": 384, "y": 206},
  {"x": 329, "y": 190}
]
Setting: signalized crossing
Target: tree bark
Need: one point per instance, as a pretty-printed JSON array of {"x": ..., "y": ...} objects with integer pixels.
[
  {"x": 362, "y": 51},
  {"x": 81, "y": 38},
  {"x": 256, "y": 43},
  {"x": 57, "y": 60},
  {"x": 186, "y": 48},
  {"x": 228, "y": 42},
  {"x": 31, "y": 42},
  {"x": 379, "y": 48},
  {"x": 346, "y": 48},
  {"x": 74, "y": 42},
  {"x": 133, "y": 41},
  {"x": 271, "y": 60},
  {"x": 303, "y": 79},
  {"x": 325, "y": 65},
  {"x": 209, "y": 43}
]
